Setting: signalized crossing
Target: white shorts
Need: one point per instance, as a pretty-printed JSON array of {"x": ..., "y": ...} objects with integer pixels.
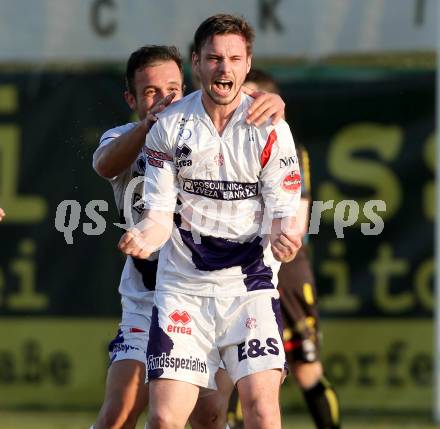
[
  {"x": 190, "y": 335},
  {"x": 132, "y": 337}
]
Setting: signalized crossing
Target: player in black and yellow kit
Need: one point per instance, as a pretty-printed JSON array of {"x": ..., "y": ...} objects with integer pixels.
[{"x": 299, "y": 308}]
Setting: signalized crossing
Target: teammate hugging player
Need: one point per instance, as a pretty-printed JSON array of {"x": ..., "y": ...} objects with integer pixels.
[
  {"x": 217, "y": 269},
  {"x": 154, "y": 78}
]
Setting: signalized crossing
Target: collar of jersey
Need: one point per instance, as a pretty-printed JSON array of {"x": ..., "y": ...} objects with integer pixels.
[{"x": 238, "y": 115}]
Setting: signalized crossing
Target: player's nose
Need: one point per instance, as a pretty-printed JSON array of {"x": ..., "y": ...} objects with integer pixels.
[{"x": 225, "y": 66}]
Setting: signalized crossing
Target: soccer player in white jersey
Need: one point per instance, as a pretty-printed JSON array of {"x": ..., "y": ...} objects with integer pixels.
[
  {"x": 216, "y": 296},
  {"x": 154, "y": 78}
]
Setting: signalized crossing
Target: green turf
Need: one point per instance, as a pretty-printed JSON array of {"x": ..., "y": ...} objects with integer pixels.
[{"x": 83, "y": 420}]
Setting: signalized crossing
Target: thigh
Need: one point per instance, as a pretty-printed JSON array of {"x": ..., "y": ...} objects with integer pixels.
[
  {"x": 252, "y": 340},
  {"x": 171, "y": 402},
  {"x": 126, "y": 383},
  {"x": 182, "y": 340},
  {"x": 126, "y": 394},
  {"x": 264, "y": 385},
  {"x": 259, "y": 397}
]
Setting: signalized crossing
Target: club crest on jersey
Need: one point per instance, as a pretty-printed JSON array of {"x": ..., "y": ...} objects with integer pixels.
[
  {"x": 292, "y": 182},
  {"x": 219, "y": 159},
  {"x": 251, "y": 323}
]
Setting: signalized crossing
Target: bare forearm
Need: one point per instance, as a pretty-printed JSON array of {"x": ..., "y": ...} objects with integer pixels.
[
  {"x": 112, "y": 159},
  {"x": 115, "y": 157}
]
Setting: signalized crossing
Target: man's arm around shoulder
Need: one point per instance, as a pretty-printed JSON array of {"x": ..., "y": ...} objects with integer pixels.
[{"x": 115, "y": 157}]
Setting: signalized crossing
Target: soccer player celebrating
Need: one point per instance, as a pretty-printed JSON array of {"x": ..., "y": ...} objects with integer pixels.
[
  {"x": 154, "y": 79},
  {"x": 216, "y": 297}
]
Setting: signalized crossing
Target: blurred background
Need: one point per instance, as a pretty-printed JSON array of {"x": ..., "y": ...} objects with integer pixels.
[{"x": 359, "y": 81}]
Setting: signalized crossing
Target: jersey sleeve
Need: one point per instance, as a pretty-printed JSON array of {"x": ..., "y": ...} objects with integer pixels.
[
  {"x": 106, "y": 139},
  {"x": 280, "y": 175},
  {"x": 161, "y": 186}
]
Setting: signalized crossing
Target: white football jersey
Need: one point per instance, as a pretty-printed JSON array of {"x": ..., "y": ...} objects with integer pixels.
[
  {"x": 139, "y": 276},
  {"x": 225, "y": 187}
]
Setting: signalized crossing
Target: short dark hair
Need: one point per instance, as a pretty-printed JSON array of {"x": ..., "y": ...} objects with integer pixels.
[
  {"x": 264, "y": 80},
  {"x": 149, "y": 55},
  {"x": 223, "y": 24}
]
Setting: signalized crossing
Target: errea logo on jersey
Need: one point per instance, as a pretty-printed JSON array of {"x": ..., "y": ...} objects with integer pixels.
[
  {"x": 179, "y": 317},
  {"x": 183, "y": 151}
]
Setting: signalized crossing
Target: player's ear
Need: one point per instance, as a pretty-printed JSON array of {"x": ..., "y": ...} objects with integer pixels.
[
  {"x": 249, "y": 63},
  {"x": 195, "y": 62},
  {"x": 130, "y": 99}
]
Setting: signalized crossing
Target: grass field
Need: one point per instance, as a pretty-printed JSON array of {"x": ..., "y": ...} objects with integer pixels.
[{"x": 83, "y": 420}]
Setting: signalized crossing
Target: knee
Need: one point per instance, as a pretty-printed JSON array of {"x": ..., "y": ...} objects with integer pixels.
[
  {"x": 261, "y": 410},
  {"x": 162, "y": 419}
]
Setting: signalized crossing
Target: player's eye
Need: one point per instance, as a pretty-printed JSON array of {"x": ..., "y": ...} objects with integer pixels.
[{"x": 150, "y": 93}]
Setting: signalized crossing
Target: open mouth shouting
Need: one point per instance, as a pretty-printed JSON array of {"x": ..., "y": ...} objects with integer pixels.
[{"x": 222, "y": 87}]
